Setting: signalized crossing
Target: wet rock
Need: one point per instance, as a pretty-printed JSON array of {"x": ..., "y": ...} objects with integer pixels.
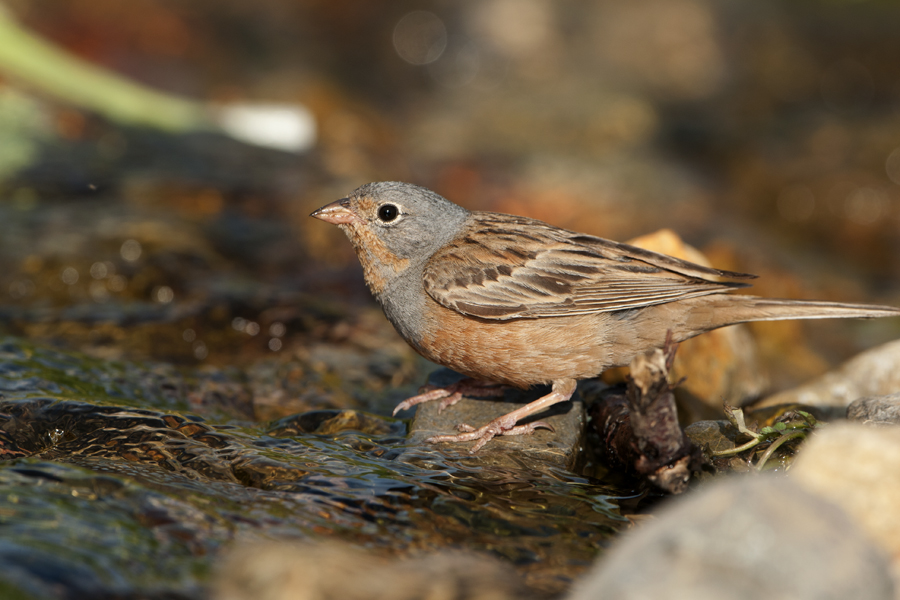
[
  {"x": 330, "y": 422},
  {"x": 873, "y": 373},
  {"x": 72, "y": 533},
  {"x": 280, "y": 571},
  {"x": 858, "y": 468},
  {"x": 715, "y": 436},
  {"x": 559, "y": 447},
  {"x": 81, "y": 432},
  {"x": 875, "y": 409},
  {"x": 739, "y": 538},
  {"x": 364, "y": 365}
]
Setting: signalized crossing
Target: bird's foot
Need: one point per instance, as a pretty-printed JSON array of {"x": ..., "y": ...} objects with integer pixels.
[
  {"x": 451, "y": 394},
  {"x": 505, "y": 425}
]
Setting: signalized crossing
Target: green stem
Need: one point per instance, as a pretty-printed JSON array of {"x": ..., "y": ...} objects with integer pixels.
[
  {"x": 738, "y": 449},
  {"x": 771, "y": 449},
  {"x": 55, "y": 71}
]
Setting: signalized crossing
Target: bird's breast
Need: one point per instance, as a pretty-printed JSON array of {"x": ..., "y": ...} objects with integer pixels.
[{"x": 519, "y": 352}]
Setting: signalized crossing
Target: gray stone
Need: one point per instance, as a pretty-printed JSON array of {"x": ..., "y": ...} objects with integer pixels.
[
  {"x": 875, "y": 409},
  {"x": 743, "y": 538},
  {"x": 559, "y": 448},
  {"x": 875, "y": 372},
  {"x": 717, "y": 436}
]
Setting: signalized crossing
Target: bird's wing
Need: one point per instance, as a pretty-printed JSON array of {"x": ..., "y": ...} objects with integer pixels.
[{"x": 507, "y": 267}]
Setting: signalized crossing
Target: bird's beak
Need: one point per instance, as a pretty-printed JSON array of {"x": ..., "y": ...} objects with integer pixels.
[{"x": 336, "y": 213}]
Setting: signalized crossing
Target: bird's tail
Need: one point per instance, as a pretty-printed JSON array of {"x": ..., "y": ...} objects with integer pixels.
[{"x": 719, "y": 310}]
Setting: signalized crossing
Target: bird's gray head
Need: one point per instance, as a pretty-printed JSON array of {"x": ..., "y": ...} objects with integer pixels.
[
  {"x": 410, "y": 221},
  {"x": 394, "y": 225}
]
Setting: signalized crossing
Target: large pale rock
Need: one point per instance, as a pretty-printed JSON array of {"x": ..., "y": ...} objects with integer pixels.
[
  {"x": 858, "y": 468},
  {"x": 743, "y": 538}
]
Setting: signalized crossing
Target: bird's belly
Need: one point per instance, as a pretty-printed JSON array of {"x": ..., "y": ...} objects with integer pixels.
[{"x": 520, "y": 352}]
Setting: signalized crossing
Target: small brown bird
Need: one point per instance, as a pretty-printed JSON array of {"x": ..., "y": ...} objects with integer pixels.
[{"x": 515, "y": 301}]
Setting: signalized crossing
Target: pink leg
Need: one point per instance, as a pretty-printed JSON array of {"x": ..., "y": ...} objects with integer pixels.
[
  {"x": 453, "y": 393},
  {"x": 506, "y": 425}
]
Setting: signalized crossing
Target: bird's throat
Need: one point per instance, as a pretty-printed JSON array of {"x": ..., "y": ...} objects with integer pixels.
[{"x": 380, "y": 265}]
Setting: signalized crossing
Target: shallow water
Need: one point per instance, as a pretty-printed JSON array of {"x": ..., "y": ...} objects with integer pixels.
[{"x": 110, "y": 488}]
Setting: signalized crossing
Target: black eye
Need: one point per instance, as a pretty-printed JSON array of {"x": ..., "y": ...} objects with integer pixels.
[{"x": 388, "y": 213}]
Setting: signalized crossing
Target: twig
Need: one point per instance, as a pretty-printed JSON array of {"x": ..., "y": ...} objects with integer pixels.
[{"x": 639, "y": 425}]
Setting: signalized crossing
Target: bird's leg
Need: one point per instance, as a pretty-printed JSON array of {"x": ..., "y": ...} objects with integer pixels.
[
  {"x": 506, "y": 425},
  {"x": 451, "y": 394},
  {"x": 669, "y": 349}
]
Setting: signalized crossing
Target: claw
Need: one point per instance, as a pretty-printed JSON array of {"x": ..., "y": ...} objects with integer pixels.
[
  {"x": 529, "y": 428},
  {"x": 428, "y": 396},
  {"x": 451, "y": 394},
  {"x": 449, "y": 401}
]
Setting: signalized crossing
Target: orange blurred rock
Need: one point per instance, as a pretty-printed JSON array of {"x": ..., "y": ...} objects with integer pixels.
[
  {"x": 784, "y": 348},
  {"x": 721, "y": 366}
]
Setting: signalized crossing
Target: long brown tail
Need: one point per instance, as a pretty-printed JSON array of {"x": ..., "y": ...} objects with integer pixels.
[
  {"x": 719, "y": 310},
  {"x": 647, "y": 327}
]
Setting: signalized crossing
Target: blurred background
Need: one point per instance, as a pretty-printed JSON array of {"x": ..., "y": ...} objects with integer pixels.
[
  {"x": 160, "y": 158},
  {"x": 177, "y": 335}
]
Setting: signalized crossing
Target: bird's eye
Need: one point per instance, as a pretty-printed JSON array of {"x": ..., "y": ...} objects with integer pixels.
[{"x": 388, "y": 213}]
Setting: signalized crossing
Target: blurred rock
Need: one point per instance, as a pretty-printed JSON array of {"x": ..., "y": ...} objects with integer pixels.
[
  {"x": 281, "y": 571},
  {"x": 858, "y": 468},
  {"x": 721, "y": 366},
  {"x": 679, "y": 55},
  {"x": 873, "y": 373},
  {"x": 743, "y": 538},
  {"x": 875, "y": 410}
]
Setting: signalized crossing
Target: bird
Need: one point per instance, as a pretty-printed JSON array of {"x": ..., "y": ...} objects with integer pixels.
[{"x": 512, "y": 301}]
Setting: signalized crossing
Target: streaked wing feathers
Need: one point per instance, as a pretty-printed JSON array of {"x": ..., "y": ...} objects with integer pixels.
[{"x": 509, "y": 267}]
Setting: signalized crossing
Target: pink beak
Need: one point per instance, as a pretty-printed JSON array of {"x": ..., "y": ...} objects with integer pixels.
[{"x": 336, "y": 213}]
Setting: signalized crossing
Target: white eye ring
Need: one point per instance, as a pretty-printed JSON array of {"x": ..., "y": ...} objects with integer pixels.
[{"x": 388, "y": 213}]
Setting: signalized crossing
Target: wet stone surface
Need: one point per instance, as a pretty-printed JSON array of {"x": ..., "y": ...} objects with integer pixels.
[{"x": 559, "y": 448}]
